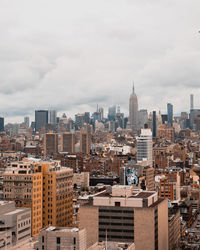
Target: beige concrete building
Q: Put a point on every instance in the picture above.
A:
(62, 238)
(110, 245)
(122, 214)
(15, 224)
(68, 142)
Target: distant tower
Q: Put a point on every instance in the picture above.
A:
(170, 113)
(41, 119)
(26, 120)
(52, 116)
(133, 111)
(191, 101)
(154, 124)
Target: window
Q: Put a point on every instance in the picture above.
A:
(58, 241)
(117, 204)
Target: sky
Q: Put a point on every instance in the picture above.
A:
(72, 55)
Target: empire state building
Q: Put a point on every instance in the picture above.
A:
(133, 111)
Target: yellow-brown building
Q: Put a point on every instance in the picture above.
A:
(24, 187)
(46, 187)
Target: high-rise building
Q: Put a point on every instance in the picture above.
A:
(79, 120)
(84, 142)
(101, 111)
(50, 143)
(142, 118)
(191, 101)
(133, 111)
(1, 124)
(194, 113)
(68, 142)
(119, 120)
(57, 195)
(170, 113)
(26, 120)
(144, 147)
(52, 116)
(41, 119)
(124, 214)
(154, 124)
(111, 113)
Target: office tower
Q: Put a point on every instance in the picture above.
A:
(52, 116)
(144, 146)
(57, 195)
(45, 187)
(24, 186)
(26, 120)
(154, 124)
(164, 118)
(79, 120)
(1, 124)
(101, 111)
(142, 118)
(124, 214)
(84, 142)
(15, 224)
(111, 113)
(87, 117)
(41, 119)
(170, 113)
(50, 144)
(61, 238)
(68, 142)
(194, 113)
(133, 111)
(119, 118)
(191, 101)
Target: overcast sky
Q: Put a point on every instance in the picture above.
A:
(71, 55)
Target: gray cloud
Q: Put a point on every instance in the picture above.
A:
(73, 55)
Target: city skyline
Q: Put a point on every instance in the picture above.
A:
(94, 52)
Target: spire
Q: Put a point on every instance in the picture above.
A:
(133, 88)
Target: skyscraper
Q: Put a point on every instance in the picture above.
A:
(144, 146)
(52, 116)
(26, 120)
(191, 101)
(133, 111)
(111, 113)
(154, 125)
(170, 113)
(41, 119)
(1, 124)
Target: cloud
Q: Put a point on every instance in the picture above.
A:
(74, 55)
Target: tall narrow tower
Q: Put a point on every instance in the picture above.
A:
(191, 101)
(133, 111)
